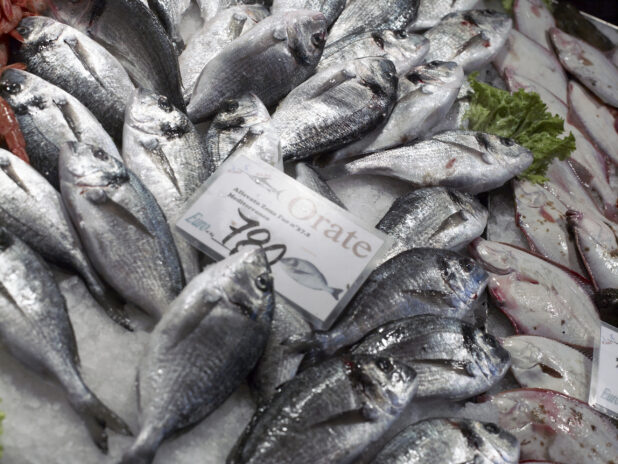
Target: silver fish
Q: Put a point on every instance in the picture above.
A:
(468, 161)
(77, 64)
(32, 209)
(163, 149)
(419, 281)
(335, 107)
(307, 275)
(367, 15)
(424, 97)
(134, 35)
(452, 359)
(35, 328)
(469, 38)
(170, 14)
(591, 67)
(309, 177)
(433, 217)
(331, 9)
(450, 441)
(430, 12)
(122, 227)
(404, 50)
(327, 413)
(214, 36)
(279, 363)
(48, 118)
(271, 59)
(203, 348)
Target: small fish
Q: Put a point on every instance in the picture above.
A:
(533, 19)
(203, 348)
(555, 427)
(309, 177)
(430, 12)
(263, 180)
(327, 413)
(469, 38)
(538, 296)
(451, 441)
(271, 59)
(452, 359)
(331, 9)
(36, 329)
(539, 362)
(306, 274)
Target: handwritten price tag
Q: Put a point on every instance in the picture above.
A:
(604, 383)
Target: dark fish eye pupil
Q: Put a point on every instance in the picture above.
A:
(100, 154)
(262, 282)
(164, 104)
(507, 142)
(378, 40)
(11, 87)
(317, 39)
(492, 428)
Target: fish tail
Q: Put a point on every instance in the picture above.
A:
(143, 449)
(335, 292)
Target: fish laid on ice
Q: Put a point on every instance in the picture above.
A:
(307, 275)
(430, 12)
(203, 348)
(533, 19)
(309, 177)
(331, 9)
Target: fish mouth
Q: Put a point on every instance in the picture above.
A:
(476, 254)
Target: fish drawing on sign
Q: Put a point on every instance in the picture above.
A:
(262, 180)
(306, 274)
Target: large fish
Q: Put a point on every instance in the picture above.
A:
(336, 107)
(163, 149)
(433, 217)
(309, 177)
(533, 19)
(32, 209)
(404, 50)
(271, 59)
(35, 328)
(121, 226)
(589, 65)
(424, 97)
(214, 36)
(80, 66)
(538, 296)
(49, 117)
(203, 348)
(451, 441)
(367, 15)
(539, 362)
(469, 38)
(451, 358)
(430, 12)
(468, 161)
(331, 9)
(419, 281)
(327, 413)
(134, 35)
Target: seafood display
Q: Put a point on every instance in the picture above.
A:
(479, 138)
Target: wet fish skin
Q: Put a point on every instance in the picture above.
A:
(71, 60)
(467, 161)
(170, 14)
(335, 107)
(418, 281)
(203, 348)
(430, 12)
(469, 38)
(452, 360)
(36, 329)
(121, 226)
(366, 15)
(310, 177)
(346, 403)
(30, 208)
(439, 441)
(404, 50)
(214, 35)
(539, 362)
(48, 118)
(134, 35)
(331, 9)
(271, 59)
(433, 217)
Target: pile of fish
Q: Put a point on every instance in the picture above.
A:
(127, 108)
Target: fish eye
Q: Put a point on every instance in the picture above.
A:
(100, 154)
(22, 30)
(491, 341)
(318, 39)
(229, 106)
(507, 142)
(378, 40)
(491, 428)
(263, 282)
(11, 87)
(385, 366)
(165, 104)
(467, 265)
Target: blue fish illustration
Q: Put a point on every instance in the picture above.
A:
(306, 274)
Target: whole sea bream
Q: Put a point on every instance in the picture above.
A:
(35, 328)
(452, 360)
(270, 60)
(331, 9)
(327, 413)
(77, 64)
(49, 117)
(203, 348)
(121, 226)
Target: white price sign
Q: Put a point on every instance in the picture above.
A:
(604, 383)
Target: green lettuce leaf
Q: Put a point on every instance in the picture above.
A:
(523, 117)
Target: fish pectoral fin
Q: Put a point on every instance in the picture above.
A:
(582, 172)
(11, 174)
(460, 367)
(70, 117)
(480, 40)
(454, 220)
(435, 297)
(342, 76)
(478, 153)
(237, 22)
(185, 325)
(160, 160)
(118, 211)
(82, 56)
(347, 418)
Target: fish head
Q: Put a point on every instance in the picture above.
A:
(400, 46)
(493, 256)
(248, 110)
(13, 83)
(247, 283)
(387, 385)
(306, 35)
(492, 359)
(154, 114)
(492, 442)
(464, 276)
(86, 165)
(503, 151)
(493, 22)
(446, 74)
(38, 30)
(378, 74)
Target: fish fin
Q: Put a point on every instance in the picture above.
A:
(348, 418)
(455, 219)
(431, 296)
(236, 24)
(335, 292)
(306, 342)
(99, 197)
(161, 161)
(461, 367)
(82, 57)
(582, 173)
(142, 451)
(69, 116)
(342, 76)
(189, 323)
(7, 167)
(480, 40)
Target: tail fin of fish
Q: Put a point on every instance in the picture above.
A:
(335, 292)
(143, 449)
